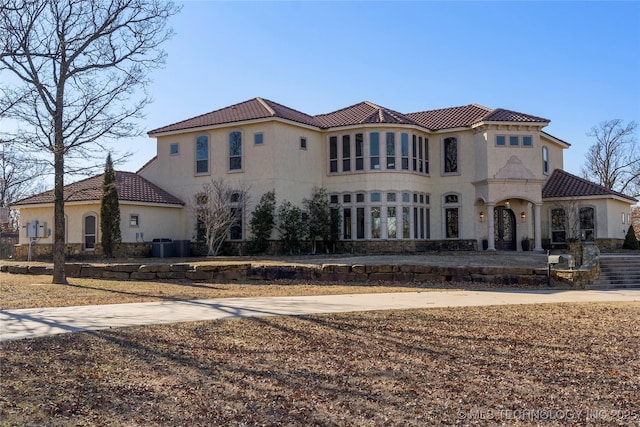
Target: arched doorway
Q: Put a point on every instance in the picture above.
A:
(504, 226)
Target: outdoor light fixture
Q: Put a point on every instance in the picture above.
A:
(523, 216)
(481, 216)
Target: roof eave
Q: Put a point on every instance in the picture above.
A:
(509, 123)
(629, 200)
(231, 124)
(556, 140)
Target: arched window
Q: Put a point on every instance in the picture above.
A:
(90, 225)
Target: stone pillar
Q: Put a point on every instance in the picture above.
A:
(491, 233)
(537, 228)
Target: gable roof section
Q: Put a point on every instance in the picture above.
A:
(453, 117)
(562, 184)
(253, 109)
(502, 115)
(468, 115)
(361, 113)
(131, 188)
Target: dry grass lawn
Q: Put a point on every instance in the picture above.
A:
(576, 364)
(28, 291)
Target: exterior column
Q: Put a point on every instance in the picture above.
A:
(537, 229)
(491, 238)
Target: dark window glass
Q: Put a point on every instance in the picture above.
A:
(346, 224)
(452, 223)
(374, 150)
(235, 151)
(346, 153)
(391, 150)
(360, 222)
(359, 151)
(450, 155)
(202, 154)
(333, 154)
(404, 150)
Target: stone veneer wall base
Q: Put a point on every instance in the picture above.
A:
(399, 274)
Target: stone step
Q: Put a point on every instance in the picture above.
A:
(618, 271)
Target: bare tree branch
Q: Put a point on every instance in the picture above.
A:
(613, 161)
(82, 67)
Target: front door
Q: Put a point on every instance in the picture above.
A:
(505, 230)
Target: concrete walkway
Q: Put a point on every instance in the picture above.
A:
(37, 322)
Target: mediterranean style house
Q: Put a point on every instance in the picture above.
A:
(460, 178)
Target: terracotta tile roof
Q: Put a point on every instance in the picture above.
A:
(448, 118)
(502, 115)
(256, 108)
(562, 184)
(363, 112)
(131, 187)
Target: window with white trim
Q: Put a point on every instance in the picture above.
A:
(587, 224)
(90, 232)
(235, 151)
(450, 155)
(452, 216)
(202, 155)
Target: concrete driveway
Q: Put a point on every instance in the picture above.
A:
(37, 322)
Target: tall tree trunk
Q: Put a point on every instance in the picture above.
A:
(59, 276)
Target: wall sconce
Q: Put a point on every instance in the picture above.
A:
(481, 216)
(523, 216)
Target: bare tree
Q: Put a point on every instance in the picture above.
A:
(614, 161)
(19, 175)
(219, 209)
(82, 67)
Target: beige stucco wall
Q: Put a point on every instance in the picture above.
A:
(156, 221)
(278, 163)
(608, 215)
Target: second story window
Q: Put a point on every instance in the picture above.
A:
(450, 146)
(404, 151)
(346, 153)
(359, 151)
(333, 154)
(374, 150)
(391, 150)
(545, 160)
(235, 151)
(202, 154)
(174, 149)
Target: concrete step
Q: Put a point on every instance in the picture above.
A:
(618, 271)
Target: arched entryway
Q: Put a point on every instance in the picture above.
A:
(504, 227)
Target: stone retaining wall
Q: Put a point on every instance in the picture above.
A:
(327, 272)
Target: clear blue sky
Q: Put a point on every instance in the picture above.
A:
(575, 63)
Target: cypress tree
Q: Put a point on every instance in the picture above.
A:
(631, 241)
(262, 223)
(109, 210)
